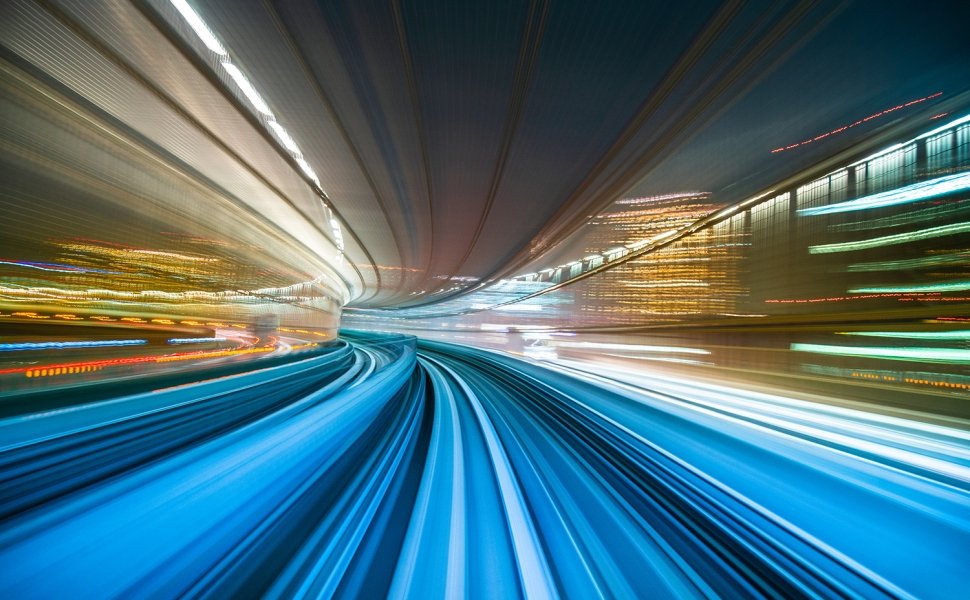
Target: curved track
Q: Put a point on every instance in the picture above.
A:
(390, 467)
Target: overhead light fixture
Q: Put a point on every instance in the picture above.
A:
(199, 27)
(247, 88)
(284, 137)
(308, 170)
(256, 100)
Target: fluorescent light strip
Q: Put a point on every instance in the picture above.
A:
(285, 138)
(916, 192)
(308, 170)
(247, 88)
(200, 28)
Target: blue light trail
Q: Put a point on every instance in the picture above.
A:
(386, 467)
(21, 346)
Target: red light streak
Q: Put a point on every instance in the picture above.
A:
(859, 122)
(900, 296)
(94, 365)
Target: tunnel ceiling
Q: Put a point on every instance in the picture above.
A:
(456, 143)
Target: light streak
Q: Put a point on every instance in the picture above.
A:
(645, 199)
(173, 255)
(942, 128)
(889, 240)
(666, 359)
(96, 365)
(285, 137)
(912, 263)
(198, 25)
(938, 211)
(14, 347)
(308, 170)
(633, 347)
(908, 377)
(936, 355)
(898, 296)
(247, 89)
(914, 335)
(55, 267)
(196, 340)
(916, 192)
(280, 294)
(666, 284)
(955, 286)
(859, 122)
(553, 477)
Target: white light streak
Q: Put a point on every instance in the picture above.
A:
(199, 26)
(634, 347)
(247, 88)
(308, 170)
(285, 138)
(916, 192)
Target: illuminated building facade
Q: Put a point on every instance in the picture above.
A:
(911, 200)
(696, 276)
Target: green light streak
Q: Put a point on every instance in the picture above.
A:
(956, 286)
(932, 213)
(891, 240)
(963, 334)
(953, 258)
(934, 355)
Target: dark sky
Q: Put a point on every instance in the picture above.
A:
(871, 56)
